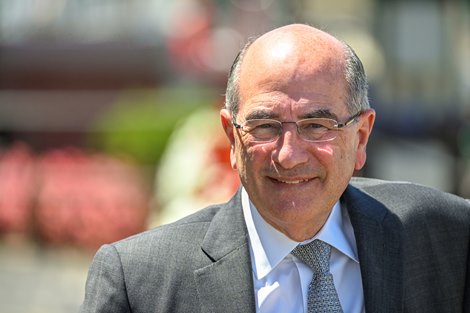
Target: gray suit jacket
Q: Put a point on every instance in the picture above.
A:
(413, 245)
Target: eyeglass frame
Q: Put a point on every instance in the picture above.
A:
(337, 127)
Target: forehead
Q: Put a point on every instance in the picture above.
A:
(298, 96)
(277, 105)
(287, 72)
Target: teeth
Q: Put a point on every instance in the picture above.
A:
(293, 181)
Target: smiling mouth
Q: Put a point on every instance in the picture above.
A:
(291, 182)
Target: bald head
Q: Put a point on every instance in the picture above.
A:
(291, 55)
(297, 51)
(296, 41)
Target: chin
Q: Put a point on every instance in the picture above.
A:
(290, 210)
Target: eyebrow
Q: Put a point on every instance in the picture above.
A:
(321, 113)
(257, 115)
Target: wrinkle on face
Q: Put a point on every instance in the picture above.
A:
(291, 74)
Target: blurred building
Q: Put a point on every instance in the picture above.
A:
(65, 63)
(65, 66)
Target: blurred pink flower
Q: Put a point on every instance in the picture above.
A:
(88, 200)
(16, 189)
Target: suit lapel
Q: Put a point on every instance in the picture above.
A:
(226, 285)
(378, 238)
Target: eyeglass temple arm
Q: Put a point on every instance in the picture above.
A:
(350, 121)
(235, 123)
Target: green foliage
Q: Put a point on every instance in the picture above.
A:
(141, 122)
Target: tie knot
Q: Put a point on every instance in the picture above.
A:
(315, 254)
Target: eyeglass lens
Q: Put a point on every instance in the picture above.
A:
(316, 129)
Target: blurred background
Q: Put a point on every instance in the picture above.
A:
(109, 116)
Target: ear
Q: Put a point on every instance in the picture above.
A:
(366, 122)
(226, 120)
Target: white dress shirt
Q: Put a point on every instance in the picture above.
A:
(281, 280)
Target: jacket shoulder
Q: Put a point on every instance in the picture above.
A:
(405, 198)
(190, 229)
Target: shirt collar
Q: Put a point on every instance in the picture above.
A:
(269, 246)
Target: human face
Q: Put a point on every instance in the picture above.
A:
(294, 183)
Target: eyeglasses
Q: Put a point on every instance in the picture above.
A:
(310, 129)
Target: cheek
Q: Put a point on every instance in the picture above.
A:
(335, 157)
(346, 149)
(253, 156)
(252, 159)
(243, 156)
(326, 150)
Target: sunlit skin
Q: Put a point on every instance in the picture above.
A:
(289, 74)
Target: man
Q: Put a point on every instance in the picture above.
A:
(298, 120)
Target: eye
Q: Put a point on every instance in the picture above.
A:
(267, 125)
(315, 126)
(263, 130)
(259, 125)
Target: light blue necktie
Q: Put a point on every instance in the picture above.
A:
(322, 296)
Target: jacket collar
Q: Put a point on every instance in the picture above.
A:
(226, 285)
(378, 237)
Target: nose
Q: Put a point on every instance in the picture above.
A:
(290, 149)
